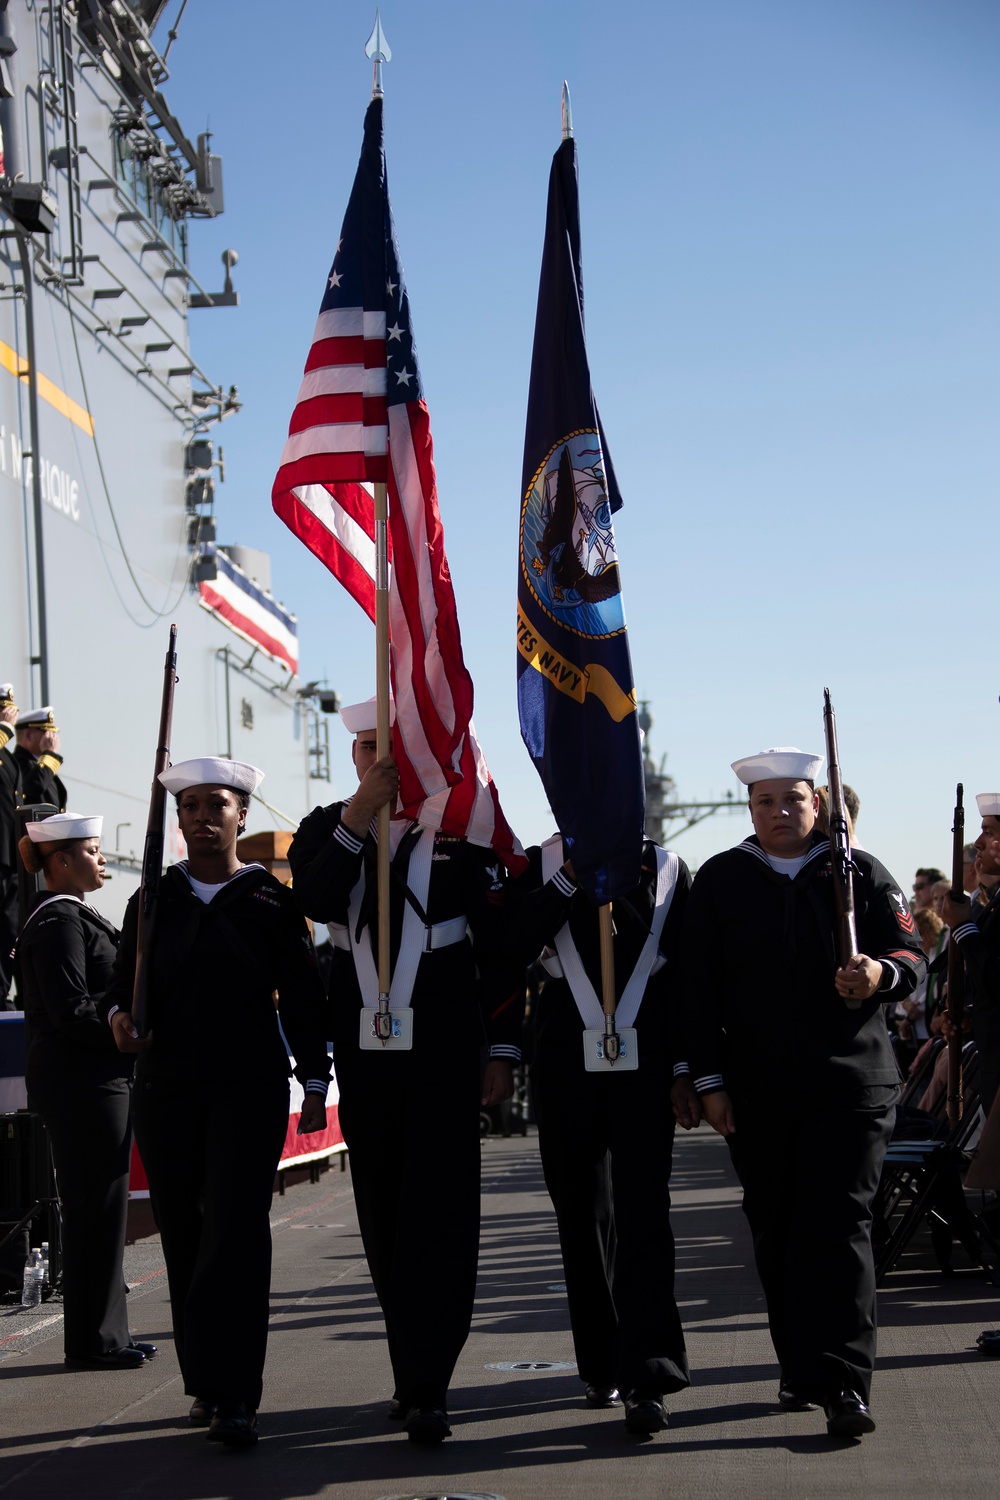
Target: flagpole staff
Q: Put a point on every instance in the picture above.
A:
(378, 50)
(383, 1021)
(612, 1042)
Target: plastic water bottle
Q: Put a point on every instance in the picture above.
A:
(45, 1265)
(31, 1296)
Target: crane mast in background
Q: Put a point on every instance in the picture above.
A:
(666, 817)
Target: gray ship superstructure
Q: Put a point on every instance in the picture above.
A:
(112, 535)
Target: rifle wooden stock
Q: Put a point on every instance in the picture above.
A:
(840, 846)
(152, 854)
(956, 968)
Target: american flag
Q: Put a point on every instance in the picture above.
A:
(361, 418)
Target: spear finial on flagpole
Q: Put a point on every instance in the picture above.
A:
(567, 113)
(377, 48)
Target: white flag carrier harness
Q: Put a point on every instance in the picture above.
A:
(417, 937)
(566, 960)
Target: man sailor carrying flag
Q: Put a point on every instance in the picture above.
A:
(420, 1224)
(357, 474)
(604, 901)
(605, 1137)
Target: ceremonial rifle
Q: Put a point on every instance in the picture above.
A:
(956, 967)
(840, 848)
(152, 854)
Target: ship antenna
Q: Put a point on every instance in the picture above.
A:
(377, 48)
(567, 113)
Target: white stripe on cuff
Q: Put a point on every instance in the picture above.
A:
(887, 963)
(113, 1012)
(709, 1083)
(964, 930)
(348, 839)
(563, 884)
(682, 1070)
(316, 1086)
(507, 1050)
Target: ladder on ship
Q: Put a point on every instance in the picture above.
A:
(74, 261)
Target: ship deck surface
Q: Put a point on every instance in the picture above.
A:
(524, 1436)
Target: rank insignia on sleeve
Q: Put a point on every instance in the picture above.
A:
(901, 909)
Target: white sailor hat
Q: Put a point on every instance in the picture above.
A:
(988, 804)
(360, 718)
(211, 770)
(64, 826)
(783, 763)
(37, 718)
(6, 692)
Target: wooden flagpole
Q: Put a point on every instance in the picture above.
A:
(377, 49)
(382, 747)
(612, 1047)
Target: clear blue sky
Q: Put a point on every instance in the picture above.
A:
(791, 235)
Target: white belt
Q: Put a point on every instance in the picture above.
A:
(441, 935)
(552, 964)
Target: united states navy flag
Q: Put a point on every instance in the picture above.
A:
(574, 676)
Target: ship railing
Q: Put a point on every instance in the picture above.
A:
(196, 409)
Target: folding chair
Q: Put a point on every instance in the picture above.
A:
(922, 1179)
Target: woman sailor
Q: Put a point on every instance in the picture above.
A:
(227, 937)
(79, 1083)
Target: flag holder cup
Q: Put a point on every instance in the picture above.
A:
(385, 1030)
(606, 1050)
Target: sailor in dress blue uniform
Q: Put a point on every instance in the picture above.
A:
(411, 1117)
(605, 1137)
(791, 1059)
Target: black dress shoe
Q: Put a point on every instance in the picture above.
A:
(396, 1411)
(644, 1412)
(234, 1424)
(426, 1424)
(847, 1416)
(113, 1359)
(201, 1412)
(988, 1342)
(789, 1398)
(149, 1350)
(601, 1395)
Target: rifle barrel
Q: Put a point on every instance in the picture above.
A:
(152, 854)
(956, 968)
(840, 844)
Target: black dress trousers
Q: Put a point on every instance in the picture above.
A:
(8, 929)
(211, 1162)
(91, 1138)
(605, 1143)
(411, 1123)
(810, 1163)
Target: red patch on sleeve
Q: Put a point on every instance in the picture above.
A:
(901, 911)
